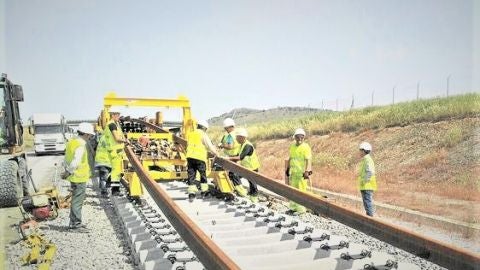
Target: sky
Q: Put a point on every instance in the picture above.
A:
(229, 54)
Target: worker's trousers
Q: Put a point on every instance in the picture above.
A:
(78, 196)
(253, 186)
(103, 175)
(194, 165)
(116, 159)
(297, 181)
(367, 197)
(234, 178)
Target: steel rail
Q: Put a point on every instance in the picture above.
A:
(437, 252)
(209, 254)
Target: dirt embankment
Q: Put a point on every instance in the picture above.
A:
(430, 167)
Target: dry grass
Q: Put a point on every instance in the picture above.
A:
(398, 115)
(424, 152)
(452, 137)
(415, 168)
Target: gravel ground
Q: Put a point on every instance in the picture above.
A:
(355, 236)
(100, 246)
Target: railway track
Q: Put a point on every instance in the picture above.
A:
(173, 233)
(255, 237)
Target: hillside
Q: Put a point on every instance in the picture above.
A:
(245, 116)
(429, 167)
(427, 152)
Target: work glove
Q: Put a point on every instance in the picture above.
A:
(65, 174)
(306, 174)
(220, 145)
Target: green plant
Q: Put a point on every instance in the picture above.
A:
(452, 137)
(401, 114)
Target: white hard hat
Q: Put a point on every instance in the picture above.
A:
(299, 131)
(241, 132)
(365, 146)
(86, 128)
(228, 122)
(203, 123)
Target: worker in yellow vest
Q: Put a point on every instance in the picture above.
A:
(299, 168)
(78, 170)
(103, 164)
(248, 158)
(231, 148)
(115, 142)
(198, 145)
(366, 179)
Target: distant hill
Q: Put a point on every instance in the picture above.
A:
(248, 116)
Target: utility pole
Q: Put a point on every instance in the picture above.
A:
(353, 102)
(393, 95)
(322, 104)
(336, 104)
(418, 90)
(373, 93)
(448, 84)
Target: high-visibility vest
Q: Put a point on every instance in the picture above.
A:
(236, 146)
(101, 155)
(250, 162)
(111, 143)
(298, 157)
(367, 185)
(195, 147)
(82, 173)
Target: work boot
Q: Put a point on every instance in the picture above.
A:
(290, 212)
(116, 191)
(229, 197)
(192, 190)
(77, 226)
(206, 194)
(299, 213)
(204, 190)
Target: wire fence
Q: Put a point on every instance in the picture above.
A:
(397, 94)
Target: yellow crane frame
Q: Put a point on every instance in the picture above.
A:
(111, 99)
(188, 124)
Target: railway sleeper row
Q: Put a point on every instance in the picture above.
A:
(154, 242)
(256, 237)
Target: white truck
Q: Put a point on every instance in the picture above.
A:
(49, 132)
